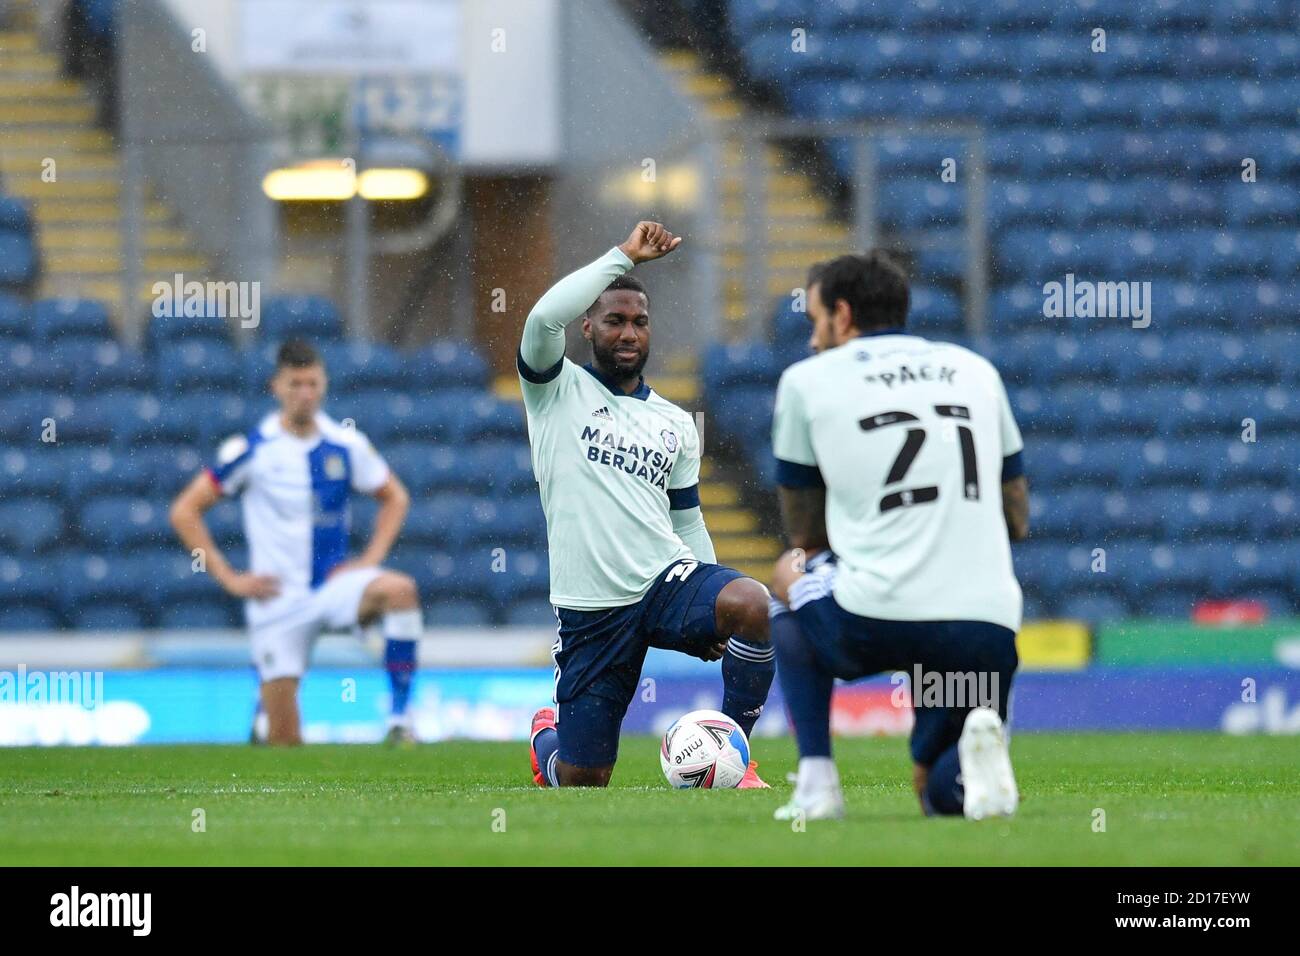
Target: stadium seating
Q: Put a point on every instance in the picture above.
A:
(1117, 166)
(84, 536)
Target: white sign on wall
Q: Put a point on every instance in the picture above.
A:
(350, 37)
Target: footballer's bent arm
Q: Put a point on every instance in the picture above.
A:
(1015, 505)
(803, 514)
(187, 519)
(542, 347)
(394, 503)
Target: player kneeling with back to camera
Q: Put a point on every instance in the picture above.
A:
(632, 565)
(900, 478)
(294, 473)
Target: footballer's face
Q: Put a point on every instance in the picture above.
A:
(618, 327)
(300, 392)
(830, 327)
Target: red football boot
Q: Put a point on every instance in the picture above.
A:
(751, 780)
(543, 719)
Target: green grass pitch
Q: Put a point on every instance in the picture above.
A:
(1167, 799)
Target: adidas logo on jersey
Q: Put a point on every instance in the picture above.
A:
(603, 413)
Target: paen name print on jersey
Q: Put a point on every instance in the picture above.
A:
(906, 374)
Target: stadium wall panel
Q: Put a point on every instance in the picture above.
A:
(192, 705)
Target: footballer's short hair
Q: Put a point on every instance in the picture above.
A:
(873, 284)
(625, 281)
(297, 353)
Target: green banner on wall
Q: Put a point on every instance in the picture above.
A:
(1132, 643)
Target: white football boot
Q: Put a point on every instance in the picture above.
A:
(986, 767)
(817, 794)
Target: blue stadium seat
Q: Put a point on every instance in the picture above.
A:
(1266, 53)
(80, 421)
(98, 365)
(225, 521)
(175, 581)
(22, 366)
(1062, 513)
(108, 615)
(117, 522)
(388, 417)
(492, 418)
(444, 365)
(1019, 15)
(1245, 14)
(213, 615)
(358, 366)
(465, 612)
(438, 521)
(15, 318)
(101, 471)
(29, 617)
(1046, 566)
(19, 265)
(30, 525)
(300, 316)
(728, 366)
(143, 419)
(443, 575)
(1275, 511)
(30, 469)
(15, 215)
(70, 318)
(1234, 462)
(167, 330)
(1192, 514)
(171, 466)
(532, 612)
(30, 581)
(523, 574)
(222, 414)
(89, 578)
(908, 203)
(1094, 608)
(199, 366)
(502, 467)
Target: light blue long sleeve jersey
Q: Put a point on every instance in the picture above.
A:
(618, 473)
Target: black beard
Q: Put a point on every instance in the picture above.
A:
(609, 365)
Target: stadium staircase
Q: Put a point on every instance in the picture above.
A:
(44, 116)
(801, 232)
(799, 224)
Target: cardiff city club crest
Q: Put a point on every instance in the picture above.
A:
(670, 439)
(335, 470)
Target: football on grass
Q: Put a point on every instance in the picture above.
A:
(704, 749)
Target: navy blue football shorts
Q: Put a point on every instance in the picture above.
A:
(598, 654)
(962, 664)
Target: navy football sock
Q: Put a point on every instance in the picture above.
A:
(547, 747)
(805, 686)
(943, 791)
(747, 672)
